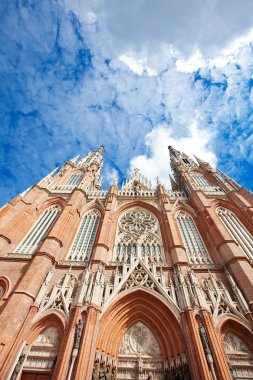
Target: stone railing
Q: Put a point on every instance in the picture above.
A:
(132, 193)
(212, 190)
(176, 194)
(97, 193)
(64, 188)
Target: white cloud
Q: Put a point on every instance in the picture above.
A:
(157, 142)
(138, 66)
(110, 175)
(193, 63)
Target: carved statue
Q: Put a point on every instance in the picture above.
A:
(113, 375)
(95, 370)
(205, 343)
(150, 376)
(78, 334)
(18, 366)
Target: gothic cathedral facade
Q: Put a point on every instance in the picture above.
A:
(130, 283)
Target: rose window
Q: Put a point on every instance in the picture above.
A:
(138, 235)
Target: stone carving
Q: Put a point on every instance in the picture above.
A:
(61, 296)
(44, 350)
(139, 277)
(138, 222)
(139, 354)
(234, 344)
(240, 357)
(138, 235)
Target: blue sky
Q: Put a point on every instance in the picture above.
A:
(135, 76)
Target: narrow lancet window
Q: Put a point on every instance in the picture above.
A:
(85, 237)
(237, 230)
(192, 240)
(74, 179)
(37, 233)
(200, 180)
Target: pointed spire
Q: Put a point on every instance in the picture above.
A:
(174, 185)
(199, 161)
(94, 157)
(173, 151)
(228, 179)
(74, 159)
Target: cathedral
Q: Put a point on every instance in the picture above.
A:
(135, 282)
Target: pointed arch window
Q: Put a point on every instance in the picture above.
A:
(75, 179)
(193, 242)
(237, 230)
(37, 233)
(85, 237)
(199, 179)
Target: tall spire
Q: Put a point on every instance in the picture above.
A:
(94, 157)
(174, 185)
(228, 179)
(74, 159)
(199, 161)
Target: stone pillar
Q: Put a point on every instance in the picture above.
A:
(100, 251)
(63, 363)
(88, 346)
(175, 245)
(196, 356)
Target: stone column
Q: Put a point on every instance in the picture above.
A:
(101, 248)
(64, 360)
(196, 356)
(88, 346)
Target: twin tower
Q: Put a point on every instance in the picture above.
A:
(130, 283)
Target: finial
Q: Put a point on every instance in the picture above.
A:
(74, 159)
(158, 181)
(115, 182)
(199, 161)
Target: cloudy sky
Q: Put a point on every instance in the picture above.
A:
(133, 75)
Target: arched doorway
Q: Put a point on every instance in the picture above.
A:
(240, 357)
(139, 354)
(139, 332)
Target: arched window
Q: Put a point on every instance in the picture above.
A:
(35, 236)
(199, 179)
(74, 179)
(237, 230)
(138, 235)
(193, 243)
(83, 243)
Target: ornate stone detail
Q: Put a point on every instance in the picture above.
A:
(219, 299)
(137, 222)
(60, 297)
(139, 354)
(139, 277)
(233, 343)
(240, 357)
(44, 350)
(138, 235)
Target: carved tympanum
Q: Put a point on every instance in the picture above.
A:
(139, 354)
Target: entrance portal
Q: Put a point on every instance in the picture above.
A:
(139, 354)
